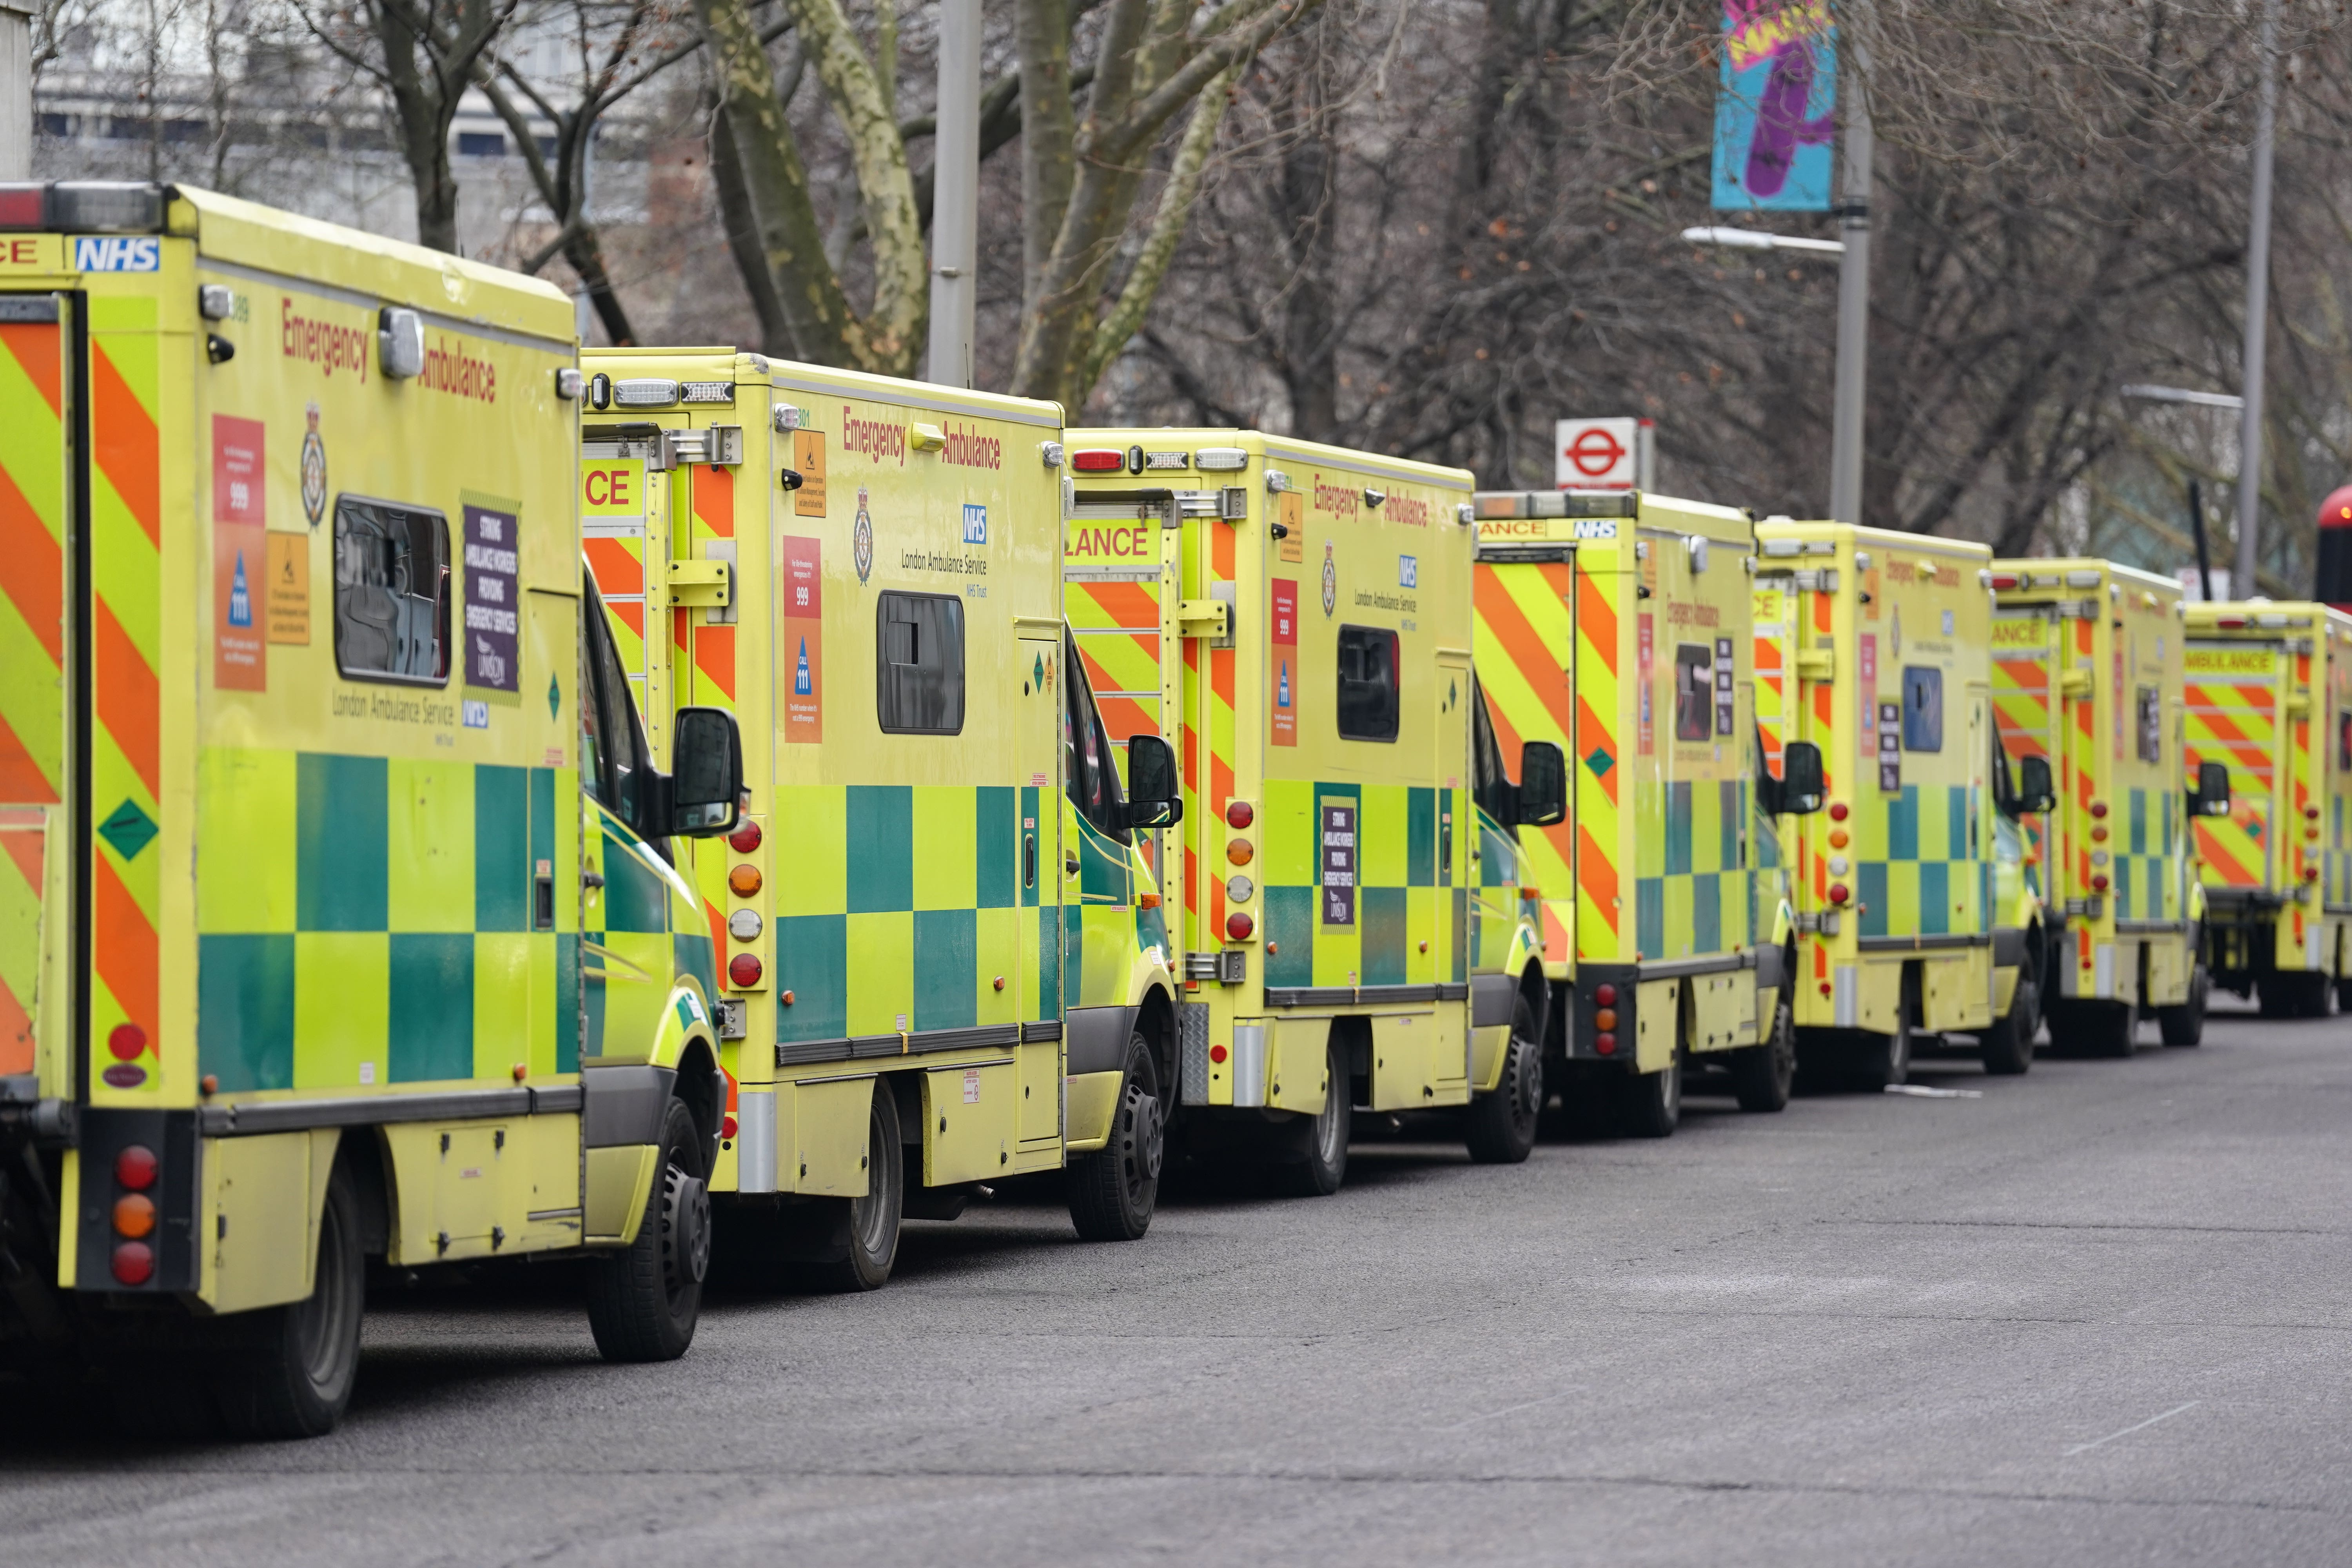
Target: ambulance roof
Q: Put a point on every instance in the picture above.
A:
(245, 235)
(1284, 447)
(1821, 530)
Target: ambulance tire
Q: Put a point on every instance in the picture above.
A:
(2112, 1031)
(2185, 1024)
(2343, 993)
(2007, 1048)
(287, 1371)
(862, 1244)
(1650, 1104)
(1881, 1062)
(1315, 1162)
(1500, 1127)
(1113, 1191)
(1762, 1076)
(643, 1303)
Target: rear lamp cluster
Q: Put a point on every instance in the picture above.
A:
(1604, 1020)
(83, 206)
(135, 1169)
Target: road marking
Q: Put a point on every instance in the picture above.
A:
(1921, 1092)
(2087, 1447)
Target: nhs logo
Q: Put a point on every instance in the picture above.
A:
(975, 524)
(1408, 572)
(123, 253)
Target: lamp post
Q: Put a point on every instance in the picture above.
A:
(2258, 305)
(955, 195)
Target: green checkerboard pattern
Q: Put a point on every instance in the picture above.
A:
(363, 920)
(1691, 893)
(1399, 897)
(1918, 871)
(2146, 879)
(898, 908)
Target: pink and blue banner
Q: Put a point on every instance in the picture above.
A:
(1774, 115)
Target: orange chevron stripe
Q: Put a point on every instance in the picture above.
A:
(1525, 646)
(130, 703)
(1597, 875)
(16, 1034)
(34, 346)
(714, 501)
(32, 568)
(124, 442)
(615, 566)
(122, 945)
(21, 778)
(714, 655)
(1596, 622)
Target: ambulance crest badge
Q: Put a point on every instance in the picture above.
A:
(314, 471)
(861, 538)
(1331, 580)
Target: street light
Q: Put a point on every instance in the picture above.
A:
(1753, 240)
(2146, 393)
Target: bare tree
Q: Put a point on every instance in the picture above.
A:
(426, 53)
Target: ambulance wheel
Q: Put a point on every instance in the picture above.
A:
(2114, 1029)
(2185, 1024)
(1316, 1162)
(1650, 1104)
(643, 1303)
(1761, 1076)
(1881, 1062)
(1113, 1191)
(864, 1245)
(2343, 993)
(1500, 1127)
(287, 1372)
(2007, 1047)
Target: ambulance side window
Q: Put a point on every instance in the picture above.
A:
(919, 663)
(608, 720)
(1490, 783)
(1923, 709)
(392, 592)
(1368, 683)
(1087, 760)
(1693, 691)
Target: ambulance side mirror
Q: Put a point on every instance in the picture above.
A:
(1802, 788)
(2212, 797)
(2035, 792)
(1543, 785)
(1154, 797)
(706, 788)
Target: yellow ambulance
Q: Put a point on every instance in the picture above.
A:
(1872, 649)
(1615, 624)
(2088, 666)
(1296, 621)
(2269, 692)
(339, 916)
(943, 961)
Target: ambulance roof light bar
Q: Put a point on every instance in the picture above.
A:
(83, 206)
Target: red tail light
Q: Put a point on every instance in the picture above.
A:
(135, 1167)
(1605, 1044)
(1239, 814)
(127, 1042)
(744, 969)
(1097, 462)
(1604, 995)
(1239, 926)
(2099, 883)
(744, 839)
(2004, 580)
(1838, 893)
(134, 1263)
(20, 206)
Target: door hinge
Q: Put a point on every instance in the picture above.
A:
(709, 583)
(1204, 618)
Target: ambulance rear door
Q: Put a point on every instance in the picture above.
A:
(41, 812)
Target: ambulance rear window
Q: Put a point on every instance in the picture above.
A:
(392, 592)
(919, 663)
(1368, 683)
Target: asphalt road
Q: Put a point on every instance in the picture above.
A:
(2098, 1315)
